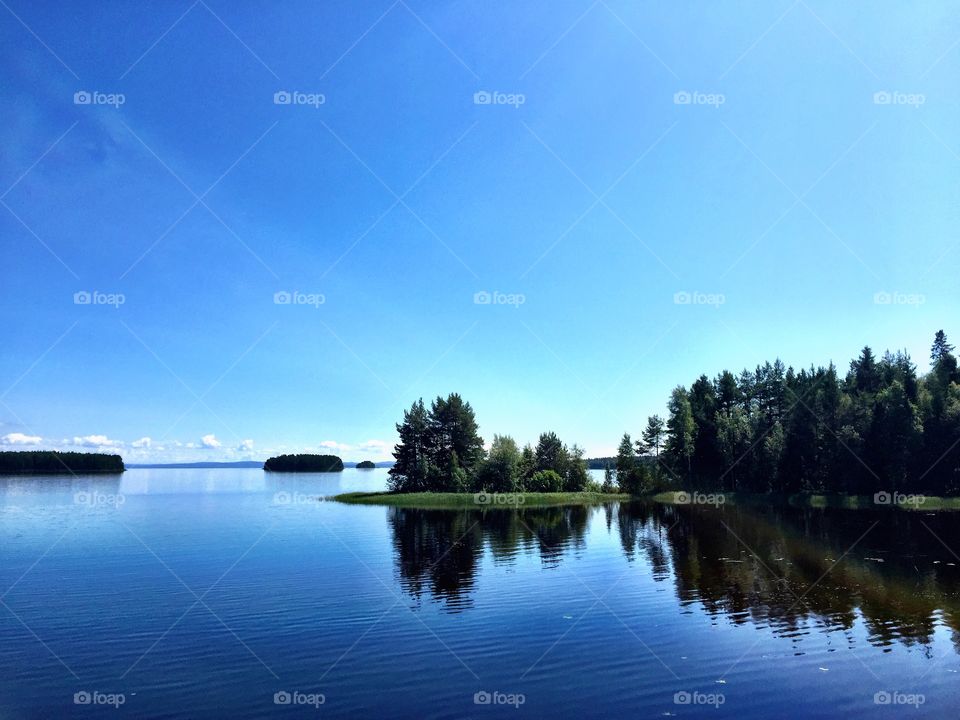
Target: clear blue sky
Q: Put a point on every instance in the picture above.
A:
(785, 188)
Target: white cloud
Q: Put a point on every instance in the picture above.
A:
(143, 442)
(246, 445)
(210, 441)
(20, 439)
(375, 447)
(95, 441)
(334, 445)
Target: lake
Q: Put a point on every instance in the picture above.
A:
(240, 594)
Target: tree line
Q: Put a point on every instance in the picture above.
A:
(440, 450)
(36, 462)
(881, 426)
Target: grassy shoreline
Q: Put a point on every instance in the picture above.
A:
(507, 501)
(495, 501)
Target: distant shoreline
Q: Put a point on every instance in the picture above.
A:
(245, 464)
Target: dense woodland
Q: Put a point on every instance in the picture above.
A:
(303, 463)
(53, 462)
(880, 426)
(440, 450)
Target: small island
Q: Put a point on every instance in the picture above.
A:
(366, 465)
(304, 463)
(52, 462)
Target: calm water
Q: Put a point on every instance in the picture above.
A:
(203, 593)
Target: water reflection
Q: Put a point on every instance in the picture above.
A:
(438, 551)
(791, 570)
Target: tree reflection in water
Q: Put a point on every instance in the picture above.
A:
(792, 570)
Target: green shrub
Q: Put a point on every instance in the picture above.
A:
(545, 481)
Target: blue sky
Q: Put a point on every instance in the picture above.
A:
(653, 192)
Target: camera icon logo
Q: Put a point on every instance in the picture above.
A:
(82, 97)
(82, 698)
(882, 698)
(282, 298)
(681, 298)
(682, 498)
(83, 297)
(481, 498)
(282, 97)
(282, 698)
(482, 698)
(482, 97)
(482, 298)
(682, 698)
(882, 498)
(882, 98)
(682, 97)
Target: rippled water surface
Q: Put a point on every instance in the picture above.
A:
(204, 593)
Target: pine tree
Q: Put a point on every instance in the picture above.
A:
(608, 486)
(940, 347)
(552, 454)
(680, 429)
(653, 436)
(577, 475)
(630, 476)
(413, 467)
(454, 429)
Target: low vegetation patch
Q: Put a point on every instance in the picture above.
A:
(476, 501)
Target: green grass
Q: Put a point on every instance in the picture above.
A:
(432, 500)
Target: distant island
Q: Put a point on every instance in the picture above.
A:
(198, 465)
(303, 463)
(366, 465)
(51, 462)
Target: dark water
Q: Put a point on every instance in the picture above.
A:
(196, 593)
